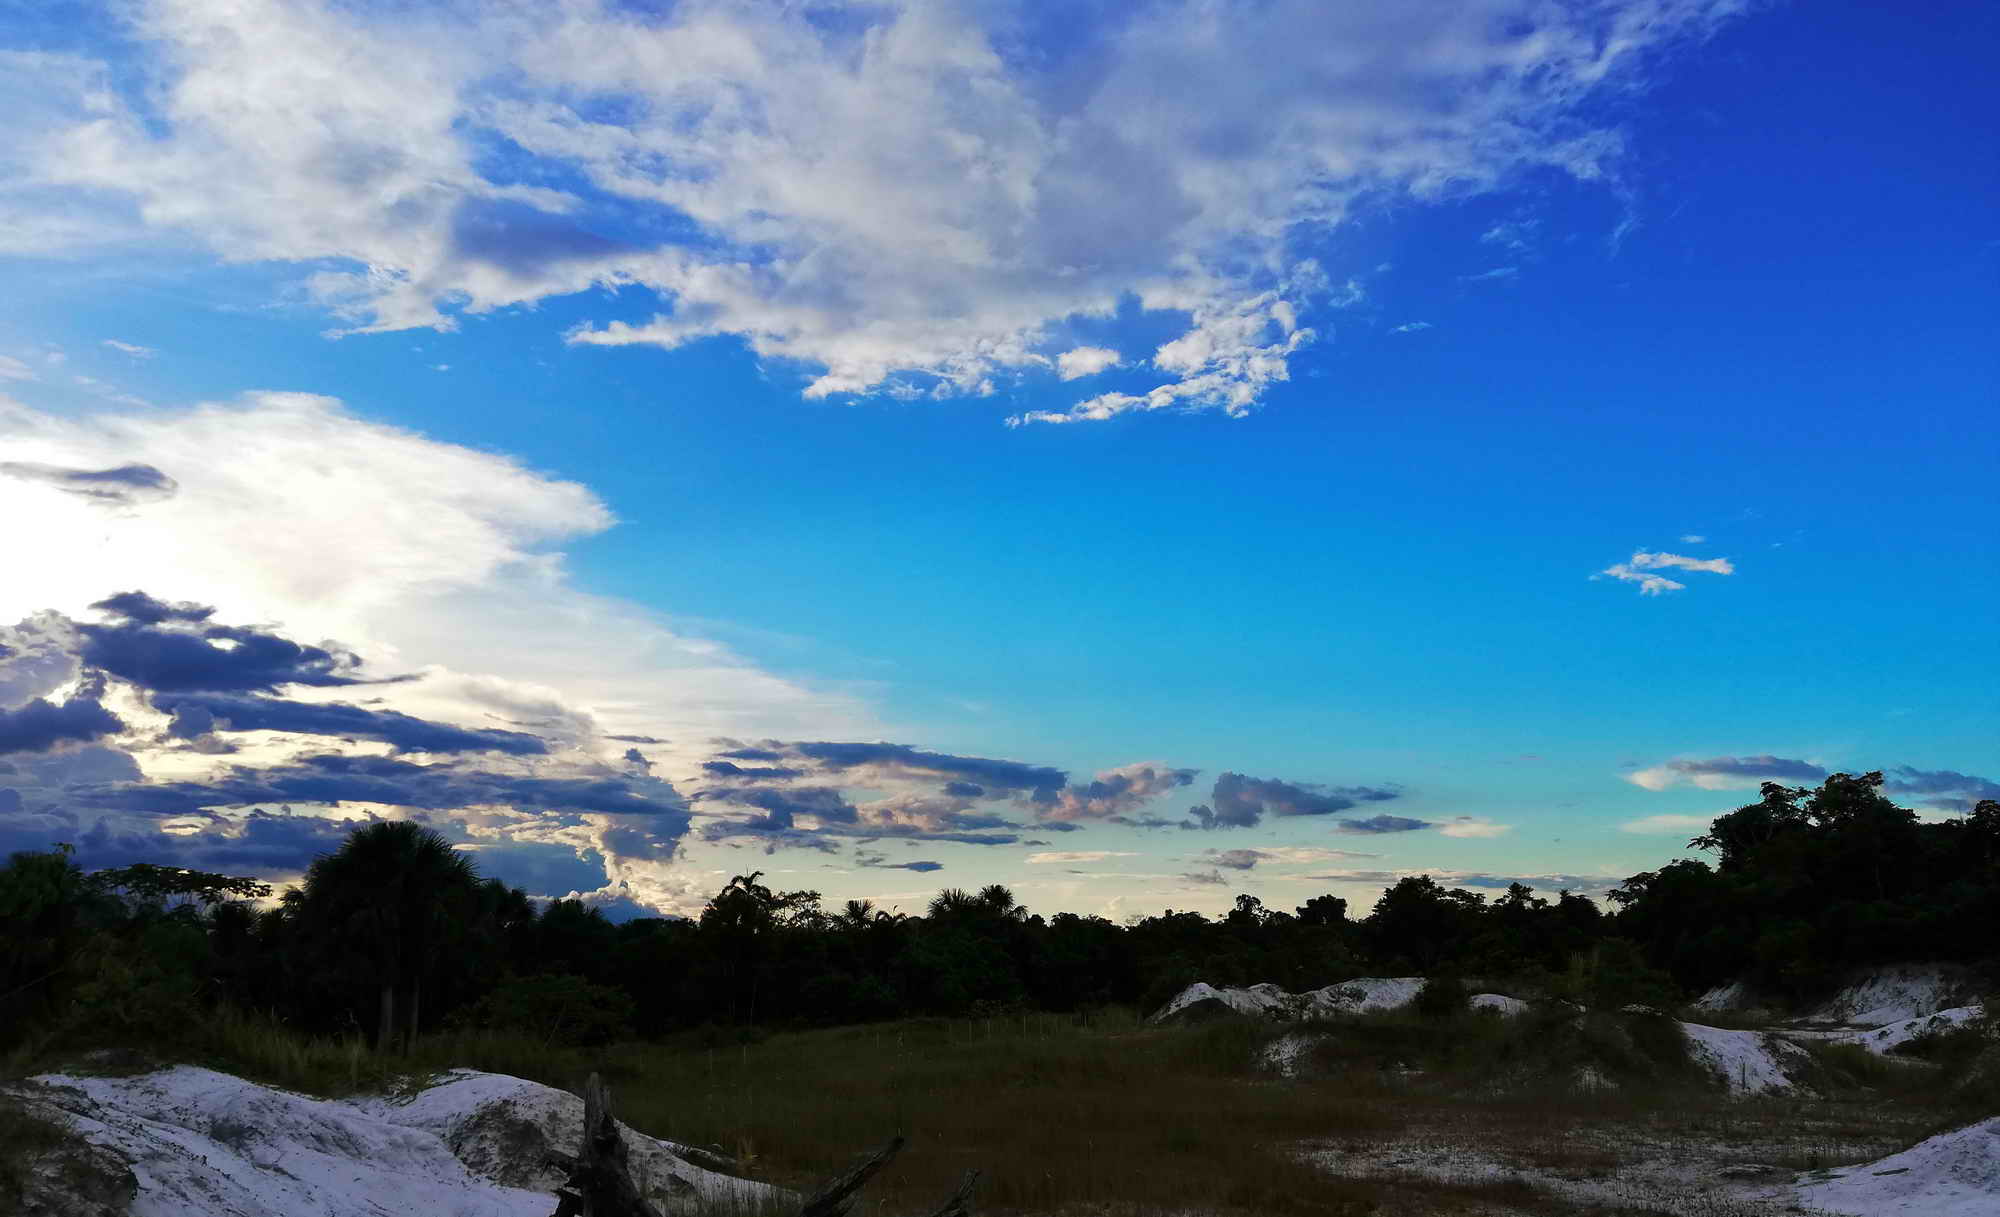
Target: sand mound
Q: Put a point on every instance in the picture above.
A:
(1749, 1062)
(198, 1141)
(1954, 1174)
(1892, 994)
(1364, 995)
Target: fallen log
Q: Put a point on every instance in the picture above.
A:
(836, 1199)
(599, 1182)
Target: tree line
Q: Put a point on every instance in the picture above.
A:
(395, 935)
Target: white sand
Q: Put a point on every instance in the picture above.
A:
(1954, 1174)
(202, 1142)
(1749, 1062)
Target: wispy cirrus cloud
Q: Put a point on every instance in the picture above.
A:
(927, 198)
(1670, 824)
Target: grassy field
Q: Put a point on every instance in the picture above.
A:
(1103, 1114)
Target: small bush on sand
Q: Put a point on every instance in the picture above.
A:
(1442, 997)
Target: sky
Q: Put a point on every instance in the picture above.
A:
(1136, 453)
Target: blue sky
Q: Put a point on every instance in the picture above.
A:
(1152, 395)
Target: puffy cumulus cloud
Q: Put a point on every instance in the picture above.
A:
(1725, 772)
(1670, 824)
(1078, 362)
(1113, 794)
(1946, 789)
(42, 724)
(1640, 567)
(422, 557)
(1237, 801)
(887, 194)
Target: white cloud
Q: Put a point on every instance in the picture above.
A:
(14, 369)
(1055, 856)
(130, 348)
(1488, 276)
(1692, 538)
(1645, 561)
(1637, 569)
(424, 557)
(1413, 327)
(878, 193)
(1649, 585)
(1085, 361)
(1478, 827)
(1670, 824)
(415, 552)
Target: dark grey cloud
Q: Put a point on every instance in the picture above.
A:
(730, 769)
(1238, 801)
(823, 802)
(1379, 824)
(441, 786)
(1764, 767)
(1148, 822)
(635, 739)
(752, 754)
(1234, 859)
(1214, 877)
(139, 607)
(1943, 788)
(921, 866)
(1040, 782)
(260, 843)
(165, 650)
(42, 724)
(539, 869)
(196, 714)
(122, 486)
(965, 790)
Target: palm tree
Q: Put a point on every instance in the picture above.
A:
(858, 914)
(999, 899)
(387, 904)
(952, 902)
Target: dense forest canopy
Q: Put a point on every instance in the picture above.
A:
(396, 933)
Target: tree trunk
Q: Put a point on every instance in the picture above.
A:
(600, 1183)
(416, 1008)
(385, 1037)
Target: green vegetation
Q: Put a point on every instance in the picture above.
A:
(395, 937)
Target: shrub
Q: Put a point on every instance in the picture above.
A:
(554, 1010)
(1442, 997)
